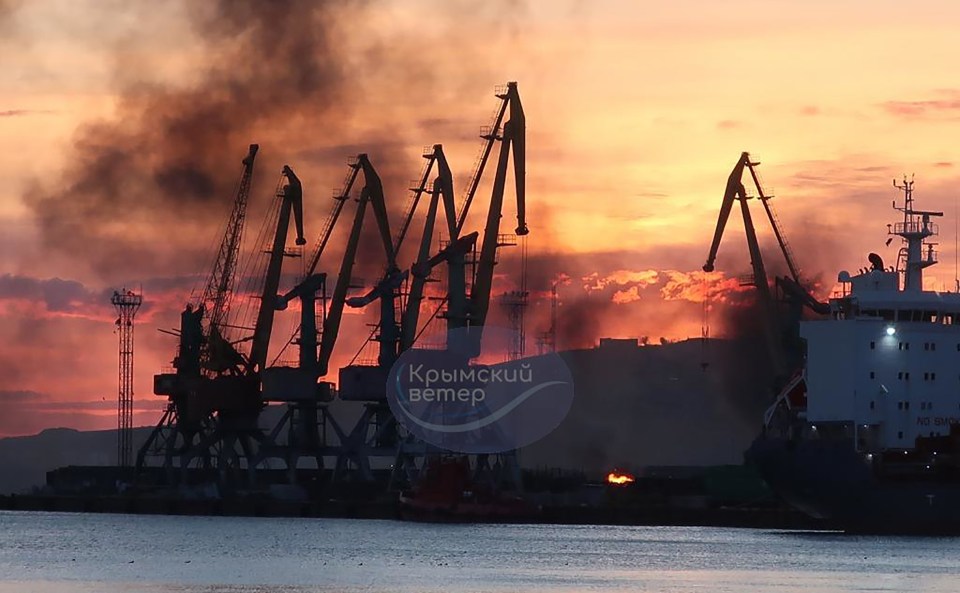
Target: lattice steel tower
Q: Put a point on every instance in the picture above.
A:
(127, 303)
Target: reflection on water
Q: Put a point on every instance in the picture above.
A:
(61, 552)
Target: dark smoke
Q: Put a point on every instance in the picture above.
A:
(580, 320)
(169, 158)
(310, 81)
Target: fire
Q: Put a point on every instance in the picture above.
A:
(619, 478)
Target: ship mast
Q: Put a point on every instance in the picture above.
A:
(916, 227)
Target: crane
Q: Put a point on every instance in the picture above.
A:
(210, 415)
(736, 191)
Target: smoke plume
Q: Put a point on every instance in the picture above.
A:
(312, 82)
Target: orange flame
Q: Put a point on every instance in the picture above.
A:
(619, 478)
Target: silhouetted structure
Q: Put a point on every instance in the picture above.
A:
(127, 303)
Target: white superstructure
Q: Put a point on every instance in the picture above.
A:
(886, 363)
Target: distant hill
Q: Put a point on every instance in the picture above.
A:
(634, 406)
(25, 461)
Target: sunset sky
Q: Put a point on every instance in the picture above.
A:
(124, 124)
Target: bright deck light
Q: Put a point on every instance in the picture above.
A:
(891, 330)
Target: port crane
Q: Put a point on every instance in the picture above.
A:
(512, 136)
(509, 128)
(791, 285)
(466, 308)
(215, 399)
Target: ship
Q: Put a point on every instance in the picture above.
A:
(865, 433)
(449, 491)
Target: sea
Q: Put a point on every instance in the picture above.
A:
(73, 552)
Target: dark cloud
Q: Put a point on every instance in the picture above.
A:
(57, 295)
(19, 396)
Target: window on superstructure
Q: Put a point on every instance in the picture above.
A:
(899, 405)
(872, 404)
(900, 375)
(926, 376)
(926, 345)
(873, 345)
(933, 376)
(888, 314)
(906, 376)
(900, 346)
(906, 405)
(900, 434)
(933, 345)
(872, 374)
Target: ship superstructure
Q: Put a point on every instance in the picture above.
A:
(866, 432)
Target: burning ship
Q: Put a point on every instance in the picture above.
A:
(866, 432)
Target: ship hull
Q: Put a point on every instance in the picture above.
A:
(829, 479)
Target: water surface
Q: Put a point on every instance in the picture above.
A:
(61, 552)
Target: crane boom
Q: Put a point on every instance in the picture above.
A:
(216, 295)
(291, 200)
(331, 222)
(418, 192)
(734, 185)
(411, 315)
(489, 139)
(375, 189)
(331, 325)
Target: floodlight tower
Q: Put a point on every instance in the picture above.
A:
(127, 303)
